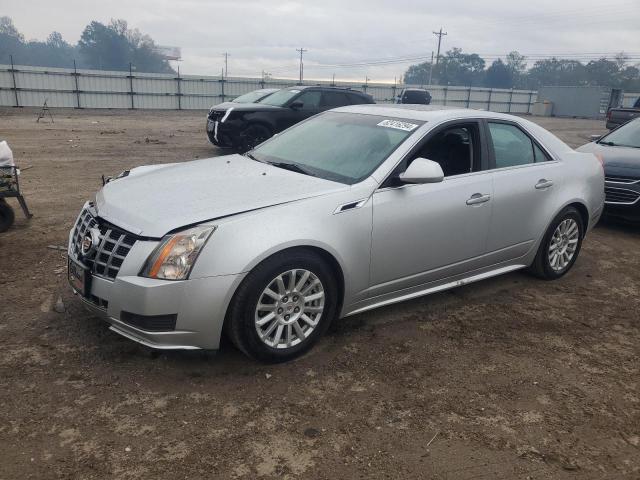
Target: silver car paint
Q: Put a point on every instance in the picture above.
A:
(397, 244)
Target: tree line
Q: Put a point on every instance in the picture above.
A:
(468, 69)
(103, 47)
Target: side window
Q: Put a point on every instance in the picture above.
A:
(333, 100)
(455, 148)
(355, 99)
(539, 154)
(310, 100)
(511, 146)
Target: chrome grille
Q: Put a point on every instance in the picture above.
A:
(113, 248)
(620, 196)
(623, 180)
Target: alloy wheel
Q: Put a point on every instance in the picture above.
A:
(289, 308)
(563, 245)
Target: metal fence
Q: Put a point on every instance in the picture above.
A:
(72, 88)
(629, 99)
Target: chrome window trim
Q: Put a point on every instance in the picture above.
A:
(553, 158)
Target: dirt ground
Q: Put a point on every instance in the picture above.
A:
(511, 378)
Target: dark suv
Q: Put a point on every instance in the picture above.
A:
(245, 125)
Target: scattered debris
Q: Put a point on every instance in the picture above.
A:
(312, 432)
(59, 306)
(433, 438)
(268, 376)
(127, 449)
(57, 247)
(153, 141)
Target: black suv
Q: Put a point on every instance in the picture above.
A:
(414, 96)
(245, 125)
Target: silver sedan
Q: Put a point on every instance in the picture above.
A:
(350, 210)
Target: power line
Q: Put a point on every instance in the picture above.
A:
(487, 56)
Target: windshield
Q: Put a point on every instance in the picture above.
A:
(251, 97)
(281, 97)
(628, 135)
(343, 147)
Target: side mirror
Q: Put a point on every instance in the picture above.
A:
(595, 138)
(297, 105)
(422, 170)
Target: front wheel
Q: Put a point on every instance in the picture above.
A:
(560, 246)
(7, 216)
(283, 306)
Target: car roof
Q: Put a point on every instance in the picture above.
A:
(425, 113)
(325, 87)
(439, 113)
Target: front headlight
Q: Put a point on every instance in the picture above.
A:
(174, 257)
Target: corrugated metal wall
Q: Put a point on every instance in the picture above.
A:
(108, 89)
(629, 99)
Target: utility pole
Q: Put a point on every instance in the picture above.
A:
(226, 56)
(439, 34)
(301, 50)
(431, 69)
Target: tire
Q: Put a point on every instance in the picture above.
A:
(550, 265)
(7, 217)
(245, 318)
(252, 136)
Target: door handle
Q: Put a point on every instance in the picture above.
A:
(478, 198)
(544, 183)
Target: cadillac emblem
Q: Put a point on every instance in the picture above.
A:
(90, 242)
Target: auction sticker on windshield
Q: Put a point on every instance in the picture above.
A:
(406, 126)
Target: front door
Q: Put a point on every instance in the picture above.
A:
(424, 233)
(310, 106)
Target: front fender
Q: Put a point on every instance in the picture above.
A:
(243, 241)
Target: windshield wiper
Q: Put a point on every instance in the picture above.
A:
(250, 155)
(609, 144)
(292, 167)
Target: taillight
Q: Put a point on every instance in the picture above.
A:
(609, 115)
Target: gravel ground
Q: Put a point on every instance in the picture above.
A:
(510, 378)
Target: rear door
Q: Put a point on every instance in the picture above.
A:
(526, 180)
(331, 99)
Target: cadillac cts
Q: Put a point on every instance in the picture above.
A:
(352, 209)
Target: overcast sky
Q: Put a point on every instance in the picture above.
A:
(264, 34)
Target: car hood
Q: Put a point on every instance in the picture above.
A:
(154, 200)
(246, 107)
(618, 159)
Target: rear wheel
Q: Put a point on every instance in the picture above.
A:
(283, 306)
(560, 246)
(252, 136)
(7, 216)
